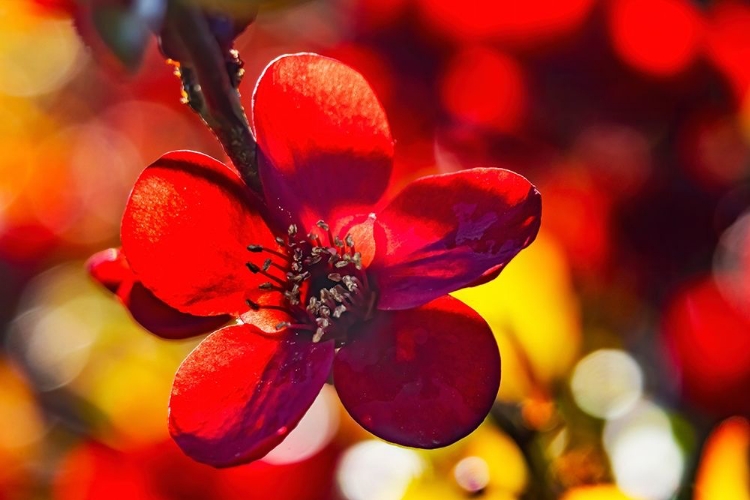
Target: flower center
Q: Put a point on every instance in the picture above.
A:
(323, 284)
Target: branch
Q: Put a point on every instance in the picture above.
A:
(210, 79)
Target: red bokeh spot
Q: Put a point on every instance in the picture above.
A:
(484, 87)
(659, 37)
(160, 471)
(714, 150)
(728, 40)
(577, 212)
(63, 7)
(522, 24)
(709, 340)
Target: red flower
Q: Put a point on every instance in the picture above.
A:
(415, 366)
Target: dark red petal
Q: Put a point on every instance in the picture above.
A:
(240, 392)
(424, 377)
(110, 268)
(444, 232)
(185, 231)
(323, 136)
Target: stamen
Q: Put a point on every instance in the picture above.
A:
(280, 241)
(266, 265)
(349, 240)
(252, 305)
(252, 267)
(335, 277)
(322, 225)
(282, 325)
(337, 242)
(341, 309)
(341, 263)
(292, 231)
(260, 248)
(267, 286)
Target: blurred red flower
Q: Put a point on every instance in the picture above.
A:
(415, 366)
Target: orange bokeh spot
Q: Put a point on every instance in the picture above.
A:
(724, 472)
(522, 24)
(484, 87)
(658, 37)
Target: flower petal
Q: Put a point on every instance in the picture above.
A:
(323, 136)
(185, 231)
(444, 232)
(240, 392)
(110, 268)
(424, 377)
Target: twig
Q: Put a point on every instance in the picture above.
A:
(210, 80)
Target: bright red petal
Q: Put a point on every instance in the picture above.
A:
(323, 136)
(185, 232)
(110, 268)
(240, 392)
(424, 377)
(444, 232)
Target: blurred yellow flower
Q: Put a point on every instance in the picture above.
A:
(534, 314)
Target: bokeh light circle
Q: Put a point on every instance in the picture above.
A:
(374, 470)
(607, 383)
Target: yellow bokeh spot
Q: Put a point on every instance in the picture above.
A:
(724, 471)
(598, 492)
(37, 55)
(534, 314)
(504, 472)
(126, 374)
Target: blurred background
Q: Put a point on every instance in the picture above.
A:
(624, 329)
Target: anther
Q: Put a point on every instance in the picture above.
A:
(252, 267)
(341, 263)
(280, 241)
(335, 277)
(340, 309)
(322, 225)
(337, 242)
(318, 335)
(292, 231)
(349, 240)
(324, 312)
(282, 325)
(357, 259)
(255, 248)
(252, 305)
(266, 286)
(266, 265)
